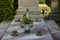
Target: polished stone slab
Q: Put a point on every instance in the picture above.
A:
(30, 36)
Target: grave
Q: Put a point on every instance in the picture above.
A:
(32, 6)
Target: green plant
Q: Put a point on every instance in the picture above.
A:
(48, 2)
(7, 11)
(26, 23)
(41, 1)
(47, 11)
(26, 20)
(59, 6)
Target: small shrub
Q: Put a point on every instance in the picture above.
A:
(26, 20)
(7, 11)
(41, 1)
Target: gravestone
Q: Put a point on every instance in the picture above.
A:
(32, 5)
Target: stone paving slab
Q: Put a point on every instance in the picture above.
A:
(23, 36)
(54, 29)
(3, 27)
(52, 24)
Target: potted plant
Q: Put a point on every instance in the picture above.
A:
(26, 21)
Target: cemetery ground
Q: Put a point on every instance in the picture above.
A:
(3, 28)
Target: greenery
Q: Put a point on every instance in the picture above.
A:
(59, 6)
(47, 11)
(26, 20)
(58, 18)
(48, 2)
(7, 11)
(15, 4)
(41, 1)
